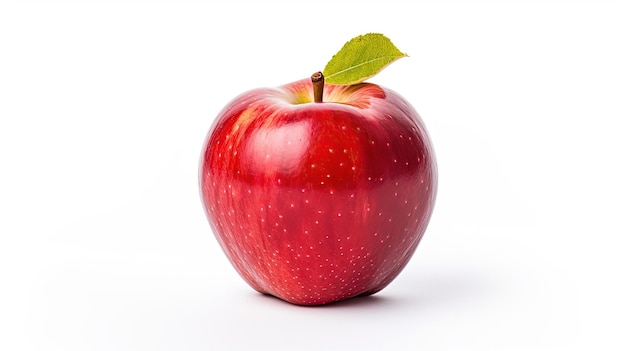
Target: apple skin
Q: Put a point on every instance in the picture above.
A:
(318, 202)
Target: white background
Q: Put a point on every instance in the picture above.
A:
(104, 108)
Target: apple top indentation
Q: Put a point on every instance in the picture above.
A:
(357, 95)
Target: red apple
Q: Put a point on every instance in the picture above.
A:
(318, 202)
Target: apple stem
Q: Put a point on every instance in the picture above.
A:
(318, 86)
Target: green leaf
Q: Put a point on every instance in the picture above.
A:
(361, 58)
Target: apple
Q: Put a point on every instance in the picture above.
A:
(318, 193)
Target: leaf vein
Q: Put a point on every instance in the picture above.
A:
(364, 63)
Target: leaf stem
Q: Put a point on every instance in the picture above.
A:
(318, 86)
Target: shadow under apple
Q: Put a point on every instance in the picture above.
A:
(445, 286)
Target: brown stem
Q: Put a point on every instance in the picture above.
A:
(318, 86)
